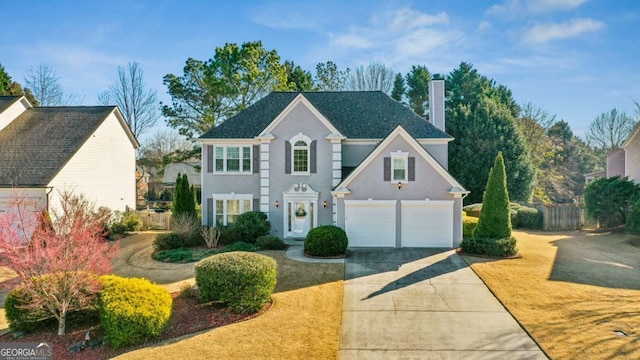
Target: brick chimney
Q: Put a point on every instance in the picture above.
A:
(436, 101)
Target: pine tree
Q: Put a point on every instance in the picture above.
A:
(495, 217)
(398, 88)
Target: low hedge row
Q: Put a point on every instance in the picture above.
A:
(492, 247)
(522, 217)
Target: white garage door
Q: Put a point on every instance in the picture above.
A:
(427, 224)
(371, 222)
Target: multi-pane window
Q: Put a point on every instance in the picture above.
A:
(233, 159)
(300, 157)
(227, 210)
(399, 166)
(399, 169)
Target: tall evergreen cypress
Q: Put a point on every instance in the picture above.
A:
(178, 207)
(495, 217)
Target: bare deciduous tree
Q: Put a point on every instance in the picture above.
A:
(139, 105)
(45, 85)
(375, 76)
(609, 130)
(161, 149)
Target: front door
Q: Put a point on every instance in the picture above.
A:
(300, 218)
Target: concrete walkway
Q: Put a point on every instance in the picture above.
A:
(424, 304)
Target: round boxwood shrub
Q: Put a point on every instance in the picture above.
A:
(242, 280)
(326, 241)
(267, 242)
(251, 225)
(132, 310)
(24, 318)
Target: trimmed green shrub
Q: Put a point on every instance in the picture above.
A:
(244, 281)
(608, 200)
(229, 235)
(325, 241)
(21, 317)
(492, 247)
(133, 310)
(169, 241)
(251, 225)
(526, 218)
(468, 225)
(495, 217)
(267, 242)
(241, 246)
(473, 210)
(132, 221)
(633, 221)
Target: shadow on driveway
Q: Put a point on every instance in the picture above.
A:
(600, 259)
(399, 263)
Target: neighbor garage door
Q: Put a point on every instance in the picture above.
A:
(427, 224)
(371, 222)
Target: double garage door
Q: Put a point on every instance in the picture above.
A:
(374, 223)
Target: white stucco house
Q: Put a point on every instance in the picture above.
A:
(45, 151)
(355, 159)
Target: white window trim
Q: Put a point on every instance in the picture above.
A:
(224, 159)
(400, 155)
(225, 198)
(293, 141)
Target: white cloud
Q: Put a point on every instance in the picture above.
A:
(301, 16)
(516, 8)
(484, 25)
(397, 37)
(543, 33)
(538, 6)
(350, 41)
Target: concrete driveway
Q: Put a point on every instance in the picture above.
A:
(424, 304)
(134, 260)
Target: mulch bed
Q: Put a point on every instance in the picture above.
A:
(188, 317)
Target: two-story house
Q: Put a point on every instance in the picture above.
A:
(358, 160)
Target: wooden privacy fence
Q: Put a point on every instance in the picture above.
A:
(152, 220)
(562, 216)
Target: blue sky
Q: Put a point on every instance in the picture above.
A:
(575, 58)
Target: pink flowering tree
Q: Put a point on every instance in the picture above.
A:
(59, 262)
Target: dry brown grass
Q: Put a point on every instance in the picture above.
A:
(571, 291)
(303, 323)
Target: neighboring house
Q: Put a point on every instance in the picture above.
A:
(191, 168)
(626, 160)
(594, 175)
(358, 160)
(45, 151)
(143, 178)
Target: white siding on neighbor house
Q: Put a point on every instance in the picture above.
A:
(12, 112)
(37, 194)
(632, 159)
(103, 169)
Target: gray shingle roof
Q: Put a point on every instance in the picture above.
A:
(6, 101)
(356, 114)
(36, 145)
